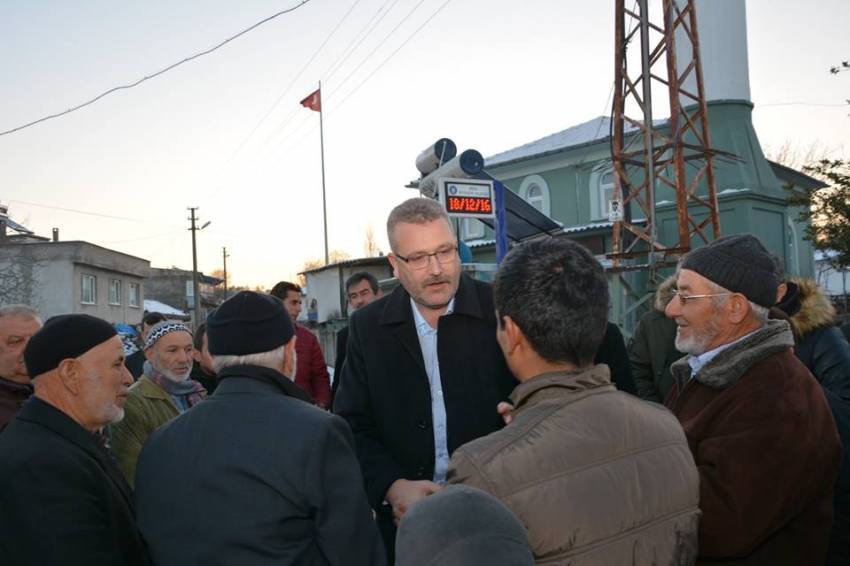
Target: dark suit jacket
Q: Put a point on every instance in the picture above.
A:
(255, 475)
(63, 500)
(341, 347)
(384, 393)
(613, 353)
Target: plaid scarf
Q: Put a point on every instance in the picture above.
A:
(186, 393)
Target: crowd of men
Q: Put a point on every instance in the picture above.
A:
(467, 423)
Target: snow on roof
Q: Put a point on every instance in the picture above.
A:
(589, 132)
(156, 306)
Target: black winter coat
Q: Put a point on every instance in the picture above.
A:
(255, 475)
(64, 500)
(822, 348)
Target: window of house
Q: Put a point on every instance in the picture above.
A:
(134, 293)
(602, 184)
(114, 291)
(88, 290)
(472, 228)
(535, 191)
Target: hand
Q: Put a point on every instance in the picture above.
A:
(403, 494)
(504, 409)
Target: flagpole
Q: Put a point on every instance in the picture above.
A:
(324, 199)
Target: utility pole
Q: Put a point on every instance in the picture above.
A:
(196, 295)
(224, 256)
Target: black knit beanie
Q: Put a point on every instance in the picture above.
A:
(248, 323)
(62, 337)
(738, 263)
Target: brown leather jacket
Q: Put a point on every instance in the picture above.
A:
(596, 475)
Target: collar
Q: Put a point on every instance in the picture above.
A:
(244, 378)
(559, 384)
(697, 362)
(14, 386)
(149, 389)
(396, 306)
(422, 326)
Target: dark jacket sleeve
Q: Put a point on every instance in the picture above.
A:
(613, 352)
(345, 530)
(341, 345)
(353, 403)
(319, 377)
(74, 523)
(640, 360)
(827, 355)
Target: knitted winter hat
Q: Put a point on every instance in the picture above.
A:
(63, 337)
(160, 329)
(739, 263)
(248, 323)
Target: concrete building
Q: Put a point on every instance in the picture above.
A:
(72, 277)
(173, 287)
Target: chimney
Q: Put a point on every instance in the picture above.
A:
(56, 234)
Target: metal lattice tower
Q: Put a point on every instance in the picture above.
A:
(649, 157)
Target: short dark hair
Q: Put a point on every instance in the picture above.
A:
(282, 288)
(153, 318)
(556, 292)
(361, 276)
(198, 337)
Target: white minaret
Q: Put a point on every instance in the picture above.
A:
(722, 29)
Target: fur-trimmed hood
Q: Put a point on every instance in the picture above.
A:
(816, 310)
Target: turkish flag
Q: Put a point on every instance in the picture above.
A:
(313, 101)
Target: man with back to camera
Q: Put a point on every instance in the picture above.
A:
(361, 289)
(596, 475)
(312, 373)
(256, 474)
(423, 373)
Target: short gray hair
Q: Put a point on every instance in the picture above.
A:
(272, 359)
(19, 310)
(760, 313)
(417, 210)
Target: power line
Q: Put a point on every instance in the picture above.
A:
(89, 213)
(382, 42)
(295, 79)
(803, 104)
(158, 73)
(391, 55)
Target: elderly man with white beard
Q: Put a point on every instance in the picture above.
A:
(757, 422)
(64, 501)
(164, 391)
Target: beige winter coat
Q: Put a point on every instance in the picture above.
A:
(596, 475)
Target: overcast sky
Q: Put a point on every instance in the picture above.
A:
(490, 74)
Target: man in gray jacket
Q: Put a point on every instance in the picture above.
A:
(597, 476)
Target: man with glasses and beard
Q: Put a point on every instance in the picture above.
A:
(757, 422)
(423, 372)
(164, 391)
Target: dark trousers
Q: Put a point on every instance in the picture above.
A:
(386, 526)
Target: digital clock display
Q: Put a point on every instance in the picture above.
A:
(468, 198)
(469, 205)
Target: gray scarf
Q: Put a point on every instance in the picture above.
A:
(186, 393)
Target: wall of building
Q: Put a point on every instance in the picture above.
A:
(47, 276)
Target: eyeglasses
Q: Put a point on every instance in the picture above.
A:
(421, 261)
(685, 298)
